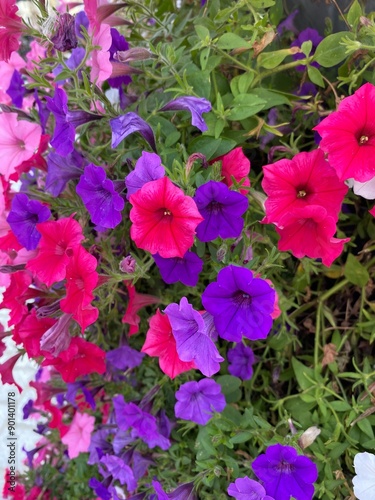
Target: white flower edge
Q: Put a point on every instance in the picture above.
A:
(364, 481)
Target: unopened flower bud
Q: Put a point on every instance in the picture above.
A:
(65, 37)
(133, 54)
(128, 264)
(308, 437)
(221, 253)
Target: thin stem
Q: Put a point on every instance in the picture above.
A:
(341, 14)
(283, 67)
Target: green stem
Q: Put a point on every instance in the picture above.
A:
(283, 67)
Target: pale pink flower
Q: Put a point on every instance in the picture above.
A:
(101, 66)
(7, 69)
(18, 142)
(78, 436)
(36, 53)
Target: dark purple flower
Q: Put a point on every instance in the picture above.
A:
(62, 169)
(185, 269)
(117, 468)
(288, 24)
(196, 106)
(183, 492)
(148, 168)
(286, 474)
(23, 217)
(241, 359)
(118, 44)
(100, 489)
(240, 304)
(65, 37)
(64, 133)
(127, 124)
(143, 424)
(27, 409)
(306, 35)
(16, 89)
(121, 439)
(192, 340)
(100, 196)
(43, 111)
(57, 338)
(124, 357)
(72, 390)
(81, 19)
(196, 401)
(245, 488)
(221, 209)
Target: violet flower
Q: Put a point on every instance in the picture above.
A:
(23, 217)
(127, 124)
(118, 44)
(196, 401)
(100, 489)
(286, 474)
(64, 133)
(241, 359)
(16, 89)
(118, 469)
(183, 492)
(240, 304)
(101, 196)
(148, 168)
(62, 169)
(288, 24)
(222, 210)
(245, 488)
(99, 446)
(65, 37)
(124, 357)
(185, 269)
(192, 341)
(309, 34)
(195, 105)
(71, 393)
(81, 19)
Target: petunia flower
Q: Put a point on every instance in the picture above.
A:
(6, 371)
(148, 168)
(183, 492)
(164, 219)
(19, 139)
(222, 210)
(245, 488)
(185, 269)
(305, 35)
(364, 480)
(59, 238)
(15, 296)
(118, 469)
(241, 359)
(196, 401)
(64, 132)
(23, 217)
(62, 169)
(286, 474)
(16, 89)
(11, 29)
(101, 68)
(348, 136)
(364, 189)
(195, 105)
(31, 330)
(192, 340)
(57, 338)
(124, 357)
(135, 303)
(64, 37)
(127, 124)
(79, 434)
(118, 44)
(101, 196)
(305, 180)
(161, 343)
(235, 164)
(240, 304)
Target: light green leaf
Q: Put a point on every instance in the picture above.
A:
(355, 12)
(355, 272)
(231, 41)
(245, 105)
(271, 60)
(329, 52)
(315, 76)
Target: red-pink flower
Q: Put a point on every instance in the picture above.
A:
(78, 436)
(15, 296)
(11, 28)
(6, 371)
(305, 180)
(309, 232)
(235, 164)
(81, 358)
(136, 302)
(160, 342)
(31, 330)
(348, 135)
(164, 219)
(56, 247)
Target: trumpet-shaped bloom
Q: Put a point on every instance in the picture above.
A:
(62, 169)
(240, 304)
(64, 133)
(31, 330)
(222, 210)
(160, 342)
(196, 401)
(235, 164)
(79, 434)
(305, 180)
(185, 269)
(286, 474)
(245, 488)
(241, 359)
(164, 219)
(148, 168)
(348, 135)
(195, 105)
(59, 239)
(136, 302)
(19, 139)
(127, 124)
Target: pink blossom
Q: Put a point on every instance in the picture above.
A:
(7, 69)
(19, 140)
(78, 436)
(101, 66)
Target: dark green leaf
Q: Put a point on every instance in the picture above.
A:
(329, 52)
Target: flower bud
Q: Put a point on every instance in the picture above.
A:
(128, 264)
(308, 437)
(65, 37)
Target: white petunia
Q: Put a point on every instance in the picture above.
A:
(364, 189)
(364, 481)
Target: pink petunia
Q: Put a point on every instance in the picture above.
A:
(101, 66)
(136, 302)
(7, 69)
(11, 28)
(78, 436)
(59, 239)
(348, 136)
(235, 164)
(19, 140)
(305, 180)
(164, 219)
(161, 343)
(309, 232)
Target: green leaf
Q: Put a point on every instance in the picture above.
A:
(210, 147)
(228, 384)
(355, 12)
(329, 52)
(202, 32)
(204, 57)
(272, 98)
(355, 272)
(300, 371)
(262, 4)
(366, 427)
(271, 60)
(306, 47)
(240, 84)
(340, 406)
(242, 437)
(231, 41)
(315, 76)
(245, 105)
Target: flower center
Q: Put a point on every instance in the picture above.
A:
(167, 212)
(215, 207)
(301, 193)
(363, 139)
(285, 467)
(242, 299)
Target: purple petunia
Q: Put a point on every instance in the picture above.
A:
(118, 469)
(124, 357)
(195, 105)
(306, 35)
(127, 124)
(148, 168)
(101, 196)
(185, 269)
(62, 169)
(192, 340)
(23, 217)
(221, 209)
(241, 360)
(118, 44)
(245, 488)
(16, 89)
(64, 133)
(240, 304)
(286, 474)
(183, 492)
(196, 401)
